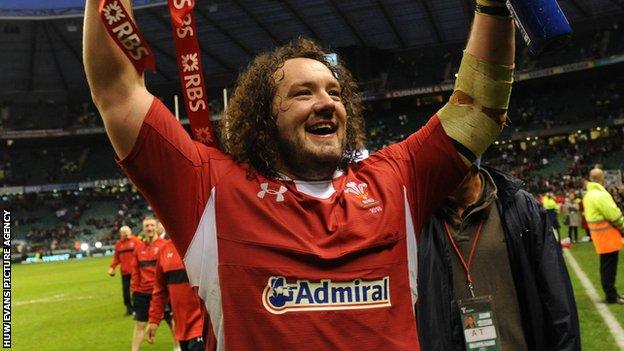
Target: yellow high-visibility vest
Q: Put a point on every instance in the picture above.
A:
(604, 219)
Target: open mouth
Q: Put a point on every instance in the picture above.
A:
(322, 129)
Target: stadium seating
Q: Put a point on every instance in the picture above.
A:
(55, 220)
(63, 160)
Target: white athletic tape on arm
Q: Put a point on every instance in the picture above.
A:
(485, 87)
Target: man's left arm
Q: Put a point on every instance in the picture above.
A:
(554, 286)
(477, 109)
(468, 123)
(135, 278)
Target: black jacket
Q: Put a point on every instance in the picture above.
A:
(541, 278)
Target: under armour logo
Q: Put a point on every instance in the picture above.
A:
(279, 197)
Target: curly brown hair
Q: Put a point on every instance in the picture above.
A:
(249, 132)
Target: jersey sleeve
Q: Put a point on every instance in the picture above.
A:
(430, 166)
(159, 295)
(172, 171)
(116, 260)
(135, 277)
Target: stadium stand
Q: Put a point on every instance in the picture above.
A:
(56, 220)
(57, 164)
(560, 163)
(407, 68)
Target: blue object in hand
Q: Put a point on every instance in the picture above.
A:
(541, 22)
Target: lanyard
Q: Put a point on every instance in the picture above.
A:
(192, 82)
(465, 264)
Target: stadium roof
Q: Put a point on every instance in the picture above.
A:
(46, 9)
(40, 41)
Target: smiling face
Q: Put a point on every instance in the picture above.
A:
(149, 228)
(311, 119)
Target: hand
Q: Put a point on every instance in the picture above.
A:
(111, 272)
(150, 332)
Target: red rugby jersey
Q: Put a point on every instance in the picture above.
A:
(124, 252)
(281, 264)
(171, 284)
(144, 265)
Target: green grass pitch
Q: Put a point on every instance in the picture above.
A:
(75, 305)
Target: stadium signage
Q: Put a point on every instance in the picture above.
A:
(101, 183)
(419, 91)
(280, 297)
(50, 258)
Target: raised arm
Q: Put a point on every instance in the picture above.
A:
(477, 109)
(492, 39)
(117, 89)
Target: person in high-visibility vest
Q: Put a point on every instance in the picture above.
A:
(552, 208)
(606, 224)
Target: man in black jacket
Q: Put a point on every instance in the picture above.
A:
(489, 251)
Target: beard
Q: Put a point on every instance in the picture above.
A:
(309, 163)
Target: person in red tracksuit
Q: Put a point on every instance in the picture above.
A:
(143, 275)
(172, 284)
(124, 250)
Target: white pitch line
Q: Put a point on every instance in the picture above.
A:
(614, 326)
(54, 298)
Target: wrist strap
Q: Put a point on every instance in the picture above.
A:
(496, 8)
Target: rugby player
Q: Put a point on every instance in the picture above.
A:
(291, 243)
(143, 275)
(171, 284)
(124, 250)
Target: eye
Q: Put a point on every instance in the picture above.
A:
(302, 92)
(335, 94)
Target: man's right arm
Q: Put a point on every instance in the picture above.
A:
(116, 259)
(155, 151)
(117, 89)
(136, 275)
(612, 213)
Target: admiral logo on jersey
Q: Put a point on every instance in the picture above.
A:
(280, 297)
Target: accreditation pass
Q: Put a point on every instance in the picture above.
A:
(479, 324)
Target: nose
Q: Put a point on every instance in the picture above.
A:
(325, 105)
